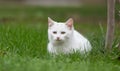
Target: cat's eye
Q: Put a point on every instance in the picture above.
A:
(62, 32)
(54, 32)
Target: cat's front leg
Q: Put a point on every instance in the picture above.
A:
(50, 49)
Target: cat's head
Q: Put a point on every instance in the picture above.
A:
(58, 31)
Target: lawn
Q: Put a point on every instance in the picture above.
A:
(23, 42)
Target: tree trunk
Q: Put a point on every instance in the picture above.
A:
(110, 24)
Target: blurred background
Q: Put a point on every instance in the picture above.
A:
(87, 12)
(80, 10)
(53, 2)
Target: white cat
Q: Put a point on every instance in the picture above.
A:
(63, 39)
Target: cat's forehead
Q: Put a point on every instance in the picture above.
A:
(59, 26)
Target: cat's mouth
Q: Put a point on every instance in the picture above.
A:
(58, 40)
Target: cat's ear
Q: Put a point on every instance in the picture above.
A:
(69, 23)
(50, 22)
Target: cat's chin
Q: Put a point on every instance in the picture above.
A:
(58, 41)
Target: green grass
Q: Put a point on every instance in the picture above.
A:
(24, 48)
(23, 42)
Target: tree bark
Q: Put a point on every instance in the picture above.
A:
(110, 24)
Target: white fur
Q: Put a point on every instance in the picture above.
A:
(70, 42)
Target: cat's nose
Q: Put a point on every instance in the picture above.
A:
(58, 38)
